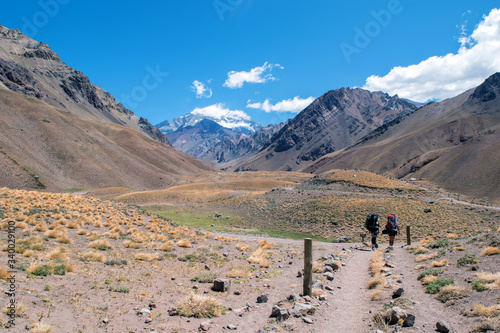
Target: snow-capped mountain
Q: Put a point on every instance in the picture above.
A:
(235, 120)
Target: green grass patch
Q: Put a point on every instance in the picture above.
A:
(435, 287)
(430, 271)
(119, 289)
(204, 278)
(467, 259)
(478, 286)
(440, 243)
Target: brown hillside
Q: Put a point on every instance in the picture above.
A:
(454, 143)
(44, 146)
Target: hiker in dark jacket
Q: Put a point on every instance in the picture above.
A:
(372, 225)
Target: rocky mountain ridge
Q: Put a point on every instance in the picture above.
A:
(333, 121)
(34, 69)
(454, 143)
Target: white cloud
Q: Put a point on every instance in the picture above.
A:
(440, 77)
(256, 75)
(218, 111)
(201, 89)
(294, 105)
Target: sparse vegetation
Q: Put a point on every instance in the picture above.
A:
(435, 287)
(200, 306)
(467, 259)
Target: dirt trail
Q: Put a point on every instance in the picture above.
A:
(427, 310)
(349, 307)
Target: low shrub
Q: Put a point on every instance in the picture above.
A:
(119, 289)
(204, 278)
(467, 259)
(452, 292)
(440, 243)
(435, 287)
(430, 271)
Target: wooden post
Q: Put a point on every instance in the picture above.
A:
(308, 263)
(408, 235)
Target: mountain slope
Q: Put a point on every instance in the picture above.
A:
(335, 120)
(45, 147)
(454, 143)
(59, 131)
(197, 139)
(32, 68)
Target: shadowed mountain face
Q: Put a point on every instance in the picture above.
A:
(334, 121)
(454, 143)
(60, 131)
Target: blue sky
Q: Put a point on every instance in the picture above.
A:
(163, 59)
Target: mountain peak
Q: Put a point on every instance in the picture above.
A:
(488, 90)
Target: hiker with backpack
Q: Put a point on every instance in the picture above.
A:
(372, 225)
(391, 229)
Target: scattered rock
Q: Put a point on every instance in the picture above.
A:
(295, 313)
(389, 264)
(205, 326)
(279, 314)
(409, 321)
(326, 269)
(238, 312)
(318, 285)
(332, 264)
(322, 297)
(105, 320)
(221, 285)
(293, 297)
(307, 320)
(152, 305)
(396, 314)
(262, 299)
(329, 288)
(329, 276)
(144, 311)
(148, 321)
(232, 327)
(443, 327)
(173, 312)
(427, 210)
(398, 293)
(303, 308)
(300, 274)
(237, 292)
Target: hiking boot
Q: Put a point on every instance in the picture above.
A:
(373, 247)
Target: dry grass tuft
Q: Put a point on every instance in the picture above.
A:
(490, 251)
(441, 263)
(184, 243)
(418, 267)
(4, 273)
(426, 241)
(146, 257)
(167, 246)
(317, 267)
(20, 308)
(452, 236)
(260, 257)
(428, 279)
(242, 247)
(460, 248)
(93, 255)
(41, 226)
(452, 292)
(82, 232)
(266, 244)
(131, 245)
(200, 306)
(484, 311)
(58, 254)
(41, 328)
(240, 272)
(100, 244)
(425, 257)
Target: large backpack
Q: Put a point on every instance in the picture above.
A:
(392, 223)
(372, 222)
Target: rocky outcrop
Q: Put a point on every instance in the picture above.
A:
(17, 78)
(152, 131)
(42, 51)
(78, 87)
